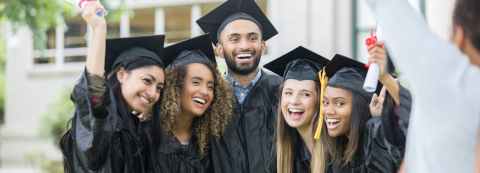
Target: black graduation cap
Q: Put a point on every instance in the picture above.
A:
(215, 20)
(194, 50)
(299, 64)
(119, 50)
(349, 74)
(346, 73)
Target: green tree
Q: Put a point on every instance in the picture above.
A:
(54, 122)
(40, 15)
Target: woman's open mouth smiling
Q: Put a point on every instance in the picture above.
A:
(295, 114)
(199, 101)
(144, 101)
(332, 123)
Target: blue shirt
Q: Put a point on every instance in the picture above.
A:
(240, 91)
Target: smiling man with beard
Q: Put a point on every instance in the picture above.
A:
(239, 30)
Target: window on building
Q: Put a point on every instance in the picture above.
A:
(46, 57)
(177, 23)
(113, 30)
(76, 32)
(363, 21)
(143, 22)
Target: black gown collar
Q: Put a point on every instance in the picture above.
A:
(302, 153)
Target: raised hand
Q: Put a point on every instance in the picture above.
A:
(90, 14)
(378, 55)
(376, 105)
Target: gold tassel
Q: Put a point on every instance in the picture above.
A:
(323, 82)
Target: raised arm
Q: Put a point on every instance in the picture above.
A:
(96, 57)
(424, 58)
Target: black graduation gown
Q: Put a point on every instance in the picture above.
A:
(301, 163)
(172, 158)
(148, 155)
(246, 145)
(382, 144)
(101, 143)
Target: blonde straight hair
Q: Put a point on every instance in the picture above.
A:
(287, 139)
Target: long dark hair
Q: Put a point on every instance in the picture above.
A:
(341, 146)
(115, 87)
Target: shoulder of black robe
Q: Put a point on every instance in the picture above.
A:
(249, 137)
(148, 155)
(382, 144)
(171, 157)
(91, 144)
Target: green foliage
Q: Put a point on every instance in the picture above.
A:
(40, 15)
(54, 122)
(2, 73)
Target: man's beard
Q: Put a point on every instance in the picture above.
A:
(243, 68)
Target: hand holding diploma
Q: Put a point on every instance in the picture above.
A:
(90, 14)
(83, 3)
(96, 56)
(378, 56)
(371, 80)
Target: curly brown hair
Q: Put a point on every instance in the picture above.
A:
(214, 120)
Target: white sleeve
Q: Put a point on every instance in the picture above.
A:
(425, 59)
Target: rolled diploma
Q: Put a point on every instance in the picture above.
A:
(371, 80)
(373, 73)
(75, 2)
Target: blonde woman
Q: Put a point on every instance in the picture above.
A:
(298, 112)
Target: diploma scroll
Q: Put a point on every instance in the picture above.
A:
(373, 73)
(371, 80)
(81, 4)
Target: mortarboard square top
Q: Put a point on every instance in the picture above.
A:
(231, 10)
(349, 74)
(119, 50)
(299, 64)
(194, 50)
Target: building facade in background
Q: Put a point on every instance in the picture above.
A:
(34, 79)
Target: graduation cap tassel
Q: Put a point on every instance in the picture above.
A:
(323, 81)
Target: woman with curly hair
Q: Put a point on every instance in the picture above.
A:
(196, 107)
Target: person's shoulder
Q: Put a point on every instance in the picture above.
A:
(372, 124)
(272, 79)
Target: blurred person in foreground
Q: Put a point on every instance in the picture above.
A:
(239, 29)
(445, 81)
(105, 135)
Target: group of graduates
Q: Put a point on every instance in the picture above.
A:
(140, 107)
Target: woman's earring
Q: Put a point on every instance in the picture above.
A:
(120, 81)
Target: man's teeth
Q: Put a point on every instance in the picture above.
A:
(199, 100)
(244, 55)
(296, 110)
(329, 120)
(144, 100)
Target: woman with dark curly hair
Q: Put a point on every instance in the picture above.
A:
(196, 107)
